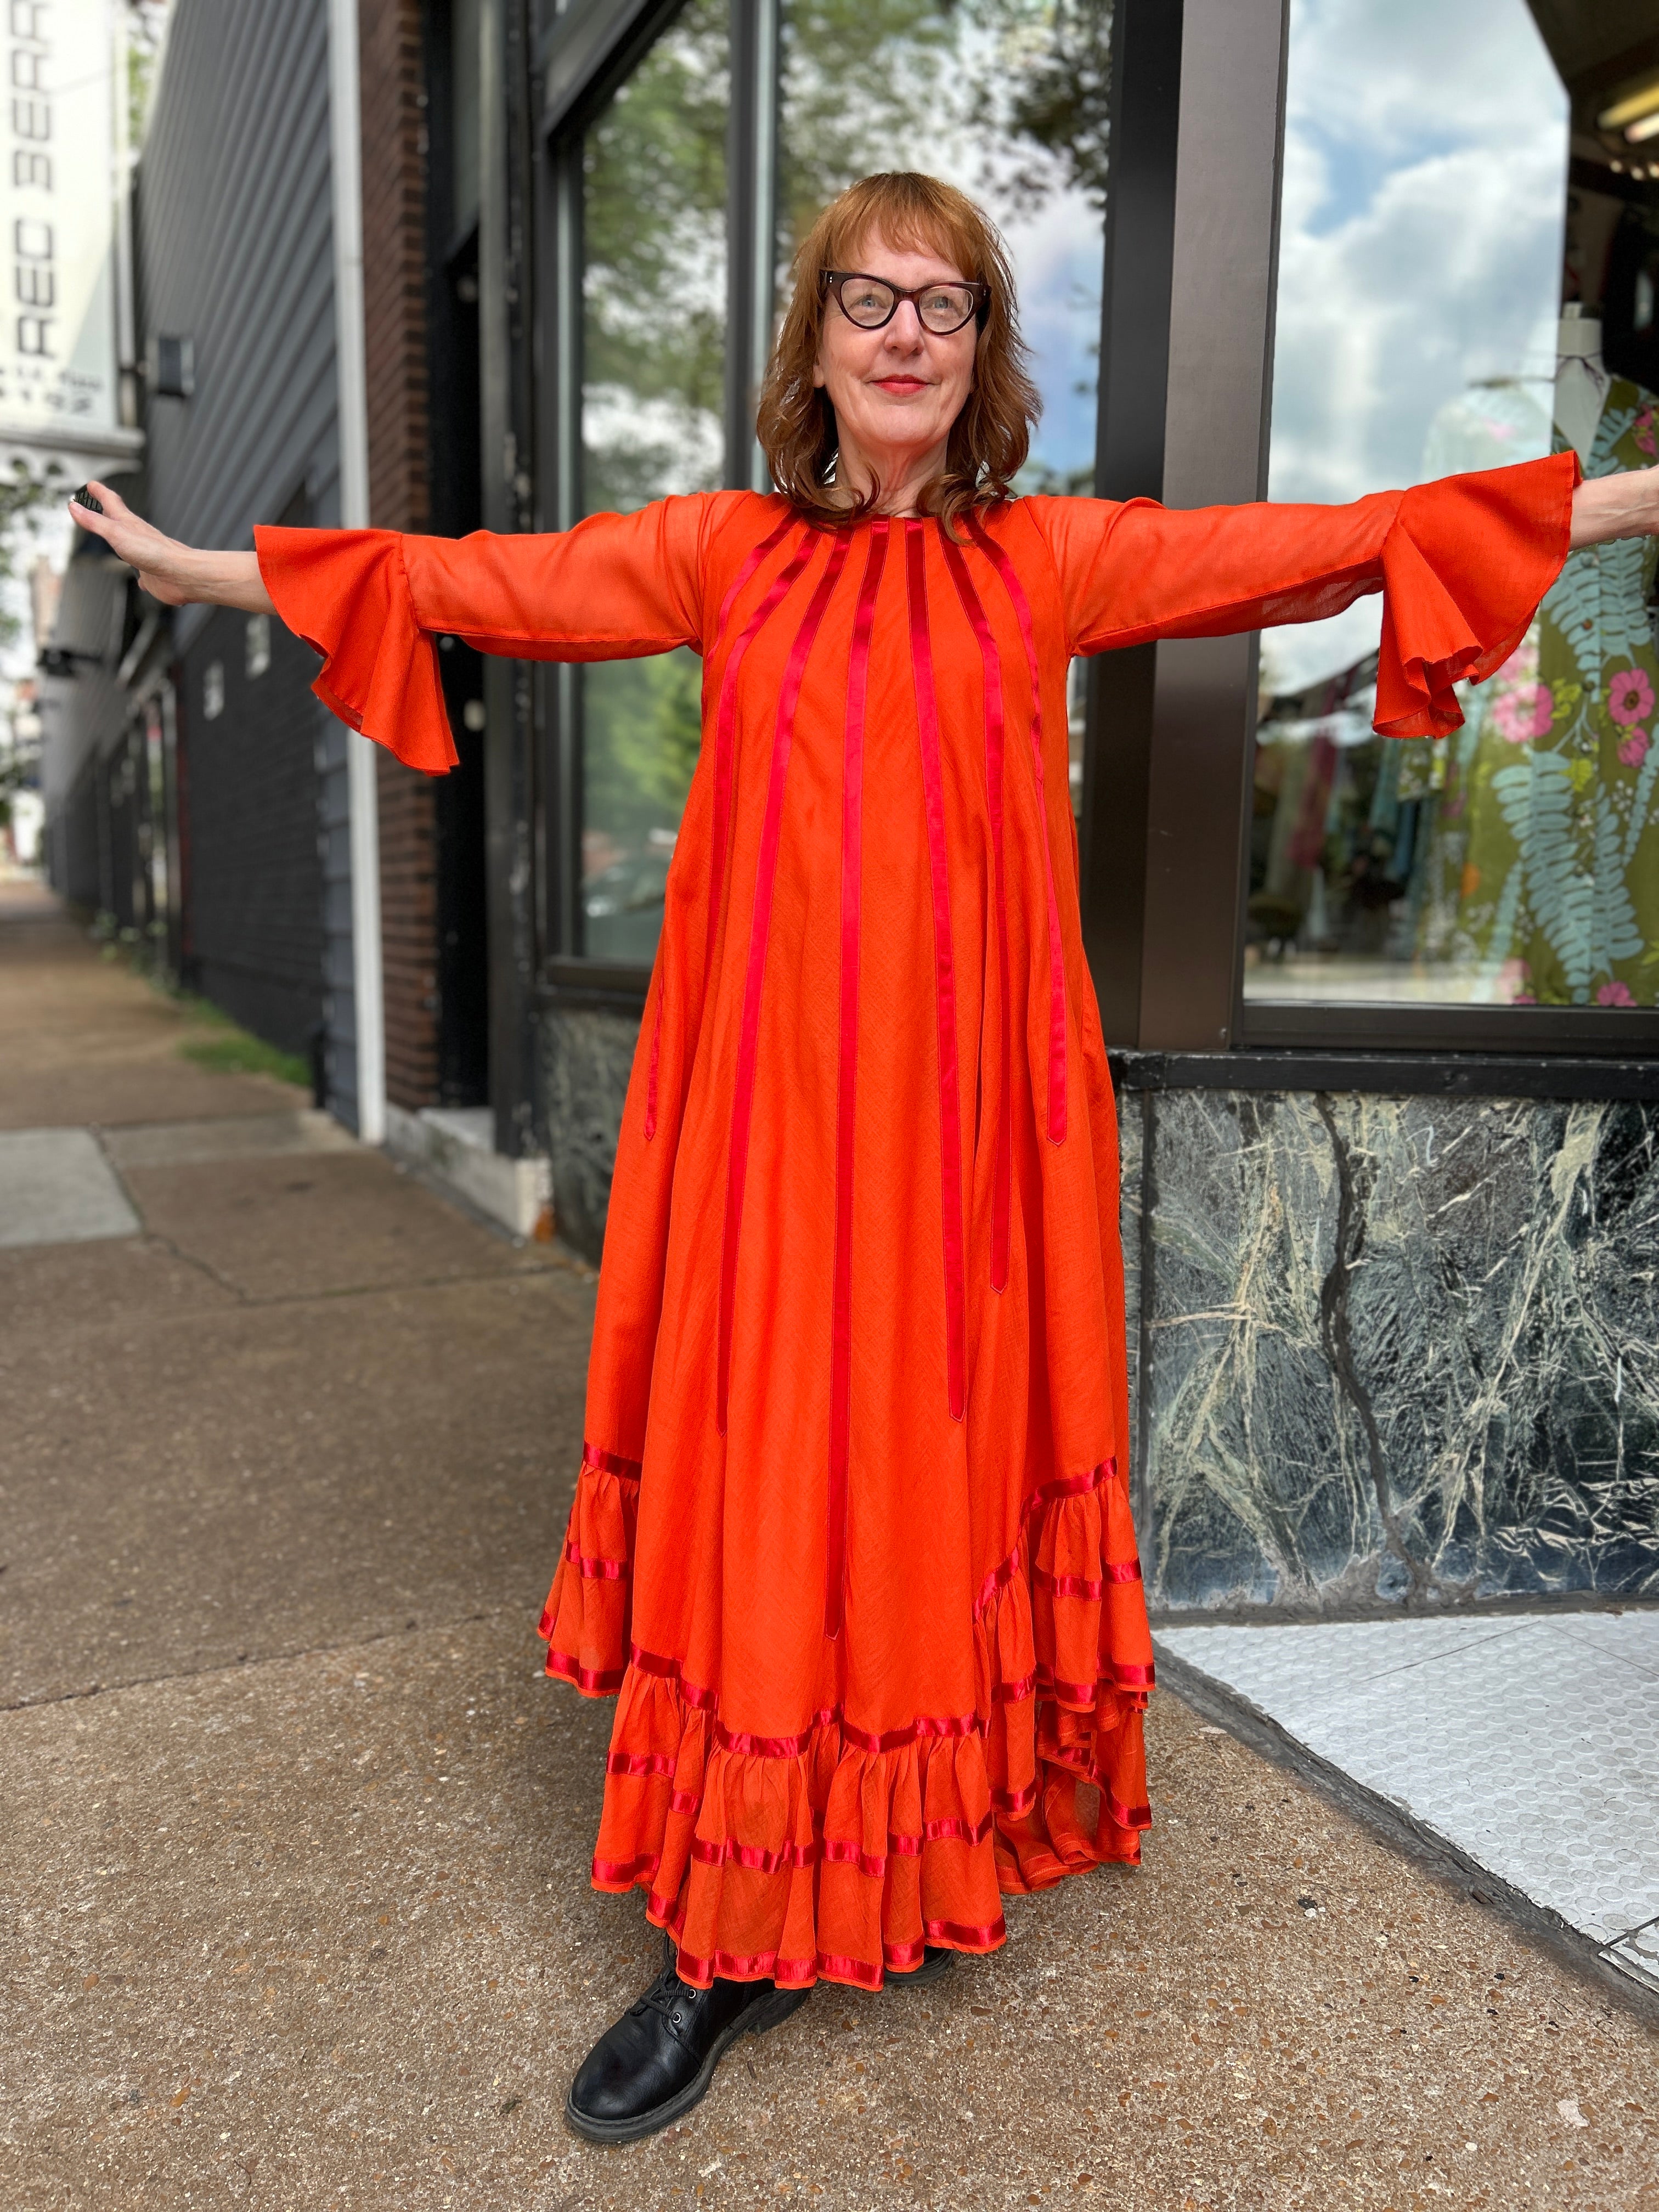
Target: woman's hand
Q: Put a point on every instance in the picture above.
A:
(174, 573)
(1625, 505)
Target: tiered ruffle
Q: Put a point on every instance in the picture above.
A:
(839, 1854)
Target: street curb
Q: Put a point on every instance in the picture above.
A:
(1392, 1824)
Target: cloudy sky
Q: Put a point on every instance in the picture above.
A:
(1424, 184)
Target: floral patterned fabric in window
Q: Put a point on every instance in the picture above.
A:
(1546, 859)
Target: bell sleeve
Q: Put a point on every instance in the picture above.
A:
(375, 603)
(1461, 565)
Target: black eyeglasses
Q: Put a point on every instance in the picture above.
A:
(870, 302)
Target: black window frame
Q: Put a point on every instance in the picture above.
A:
(1185, 393)
(585, 55)
(1196, 212)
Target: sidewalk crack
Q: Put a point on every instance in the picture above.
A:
(249, 1666)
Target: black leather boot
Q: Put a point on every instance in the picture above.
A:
(935, 1960)
(659, 2058)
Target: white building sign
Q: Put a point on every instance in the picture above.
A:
(60, 384)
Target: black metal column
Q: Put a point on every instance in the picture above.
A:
(752, 235)
(1133, 393)
(505, 319)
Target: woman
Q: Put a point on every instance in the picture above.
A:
(852, 1535)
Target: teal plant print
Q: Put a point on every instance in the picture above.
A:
(1547, 861)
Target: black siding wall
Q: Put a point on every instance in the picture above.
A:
(235, 251)
(254, 928)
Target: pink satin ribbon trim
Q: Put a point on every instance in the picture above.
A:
(594, 1568)
(591, 1682)
(740, 1966)
(846, 1851)
(661, 980)
(945, 987)
(639, 1763)
(852, 863)
(990, 662)
(726, 718)
(962, 1935)
(759, 934)
(624, 1873)
(609, 1463)
(1011, 584)
(1083, 1585)
(752, 1858)
(1127, 1816)
(752, 562)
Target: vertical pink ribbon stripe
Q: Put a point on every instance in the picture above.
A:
(944, 989)
(1016, 591)
(751, 561)
(852, 861)
(725, 719)
(991, 684)
(759, 930)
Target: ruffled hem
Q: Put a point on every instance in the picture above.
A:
(838, 1854)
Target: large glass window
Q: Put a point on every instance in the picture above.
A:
(1007, 100)
(1470, 241)
(653, 359)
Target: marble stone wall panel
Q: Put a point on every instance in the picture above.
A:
(586, 1055)
(1396, 1350)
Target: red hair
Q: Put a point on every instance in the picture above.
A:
(991, 436)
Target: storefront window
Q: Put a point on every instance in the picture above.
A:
(1007, 99)
(653, 358)
(1470, 240)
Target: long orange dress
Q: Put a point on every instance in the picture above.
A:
(852, 1537)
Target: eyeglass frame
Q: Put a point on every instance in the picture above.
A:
(831, 280)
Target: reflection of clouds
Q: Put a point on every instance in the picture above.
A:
(682, 446)
(1393, 74)
(1422, 219)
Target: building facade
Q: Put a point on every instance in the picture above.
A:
(1384, 1016)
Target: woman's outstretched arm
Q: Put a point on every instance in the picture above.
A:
(1461, 563)
(176, 575)
(375, 603)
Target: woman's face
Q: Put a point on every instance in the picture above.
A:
(895, 391)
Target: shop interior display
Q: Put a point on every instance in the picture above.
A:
(1516, 861)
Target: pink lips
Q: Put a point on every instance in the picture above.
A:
(900, 384)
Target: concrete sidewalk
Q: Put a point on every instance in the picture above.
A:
(295, 1837)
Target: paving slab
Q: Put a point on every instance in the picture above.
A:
(287, 1227)
(1528, 1744)
(318, 1932)
(46, 1289)
(227, 1137)
(56, 1187)
(183, 1485)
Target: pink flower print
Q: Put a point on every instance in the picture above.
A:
(1524, 713)
(1614, 995)
(1521, 666)
(1633, 749)
(1630, 697)
(1645, 440)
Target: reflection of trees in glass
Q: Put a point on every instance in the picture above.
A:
(1049, 98)
(643, 725)
(1008, 97)
(653, 283)
(654, 295)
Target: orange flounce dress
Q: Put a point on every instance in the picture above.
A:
(851, 1541)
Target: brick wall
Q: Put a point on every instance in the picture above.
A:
(394, 154)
